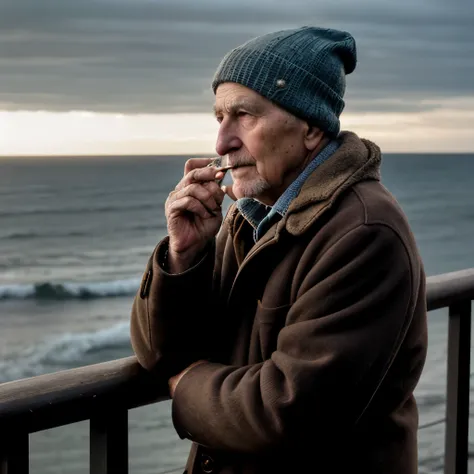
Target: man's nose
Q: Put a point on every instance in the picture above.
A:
(227, 140)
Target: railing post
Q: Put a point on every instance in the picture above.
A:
(14, 453)
(109, 443)
(458, 388)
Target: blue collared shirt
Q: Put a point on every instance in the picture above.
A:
(261, 216)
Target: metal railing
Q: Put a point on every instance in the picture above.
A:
(103, 393)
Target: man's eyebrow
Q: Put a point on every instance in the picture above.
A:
(240, 103)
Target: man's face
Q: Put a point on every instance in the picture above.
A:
(266, 143)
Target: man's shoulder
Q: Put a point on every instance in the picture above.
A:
(365, 204)
(379, 206)
(366, 213)
(370, 203)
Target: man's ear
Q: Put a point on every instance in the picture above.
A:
(313, 137)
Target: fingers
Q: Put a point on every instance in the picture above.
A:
(215, 190)
(194, 163)
(190, 204)
(210, 197)
(229, 191)
(199, 175)
(198, 192)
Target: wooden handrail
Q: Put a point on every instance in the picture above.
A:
(449, 288)
(46, 401)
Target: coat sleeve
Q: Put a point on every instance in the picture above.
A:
(169, 314)
(341, 335)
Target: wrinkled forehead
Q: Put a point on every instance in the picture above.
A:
(231, 96)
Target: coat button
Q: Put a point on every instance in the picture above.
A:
(207, 464)
(281, 83)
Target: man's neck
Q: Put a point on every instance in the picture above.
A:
(271, 199)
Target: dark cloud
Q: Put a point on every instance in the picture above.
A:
(160, 55)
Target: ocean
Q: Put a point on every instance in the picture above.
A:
(75, 235)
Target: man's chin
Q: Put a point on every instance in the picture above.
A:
(248, 190)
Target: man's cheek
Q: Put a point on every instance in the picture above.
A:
(267, 171)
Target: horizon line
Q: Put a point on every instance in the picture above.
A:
(204, 155)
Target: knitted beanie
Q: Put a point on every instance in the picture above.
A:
(302, 70)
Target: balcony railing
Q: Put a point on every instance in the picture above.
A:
(103, 393)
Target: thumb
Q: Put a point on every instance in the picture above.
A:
(228, 190)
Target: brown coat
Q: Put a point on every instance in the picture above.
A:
(316, 336)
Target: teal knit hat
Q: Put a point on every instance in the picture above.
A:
(303, 70)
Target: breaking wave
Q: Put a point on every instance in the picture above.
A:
(69, 291)
(68, 350)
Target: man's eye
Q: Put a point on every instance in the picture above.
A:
(241, 113)
(219, 119)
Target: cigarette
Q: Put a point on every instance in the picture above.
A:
(217, 162)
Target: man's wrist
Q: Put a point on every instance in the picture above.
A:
(176, 262)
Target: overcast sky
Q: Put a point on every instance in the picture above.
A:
(130, 63)
(159, 55)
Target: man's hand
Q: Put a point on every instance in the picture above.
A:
(193, 212)
(173, 381)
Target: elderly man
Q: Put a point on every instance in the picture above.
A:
(293, 333)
